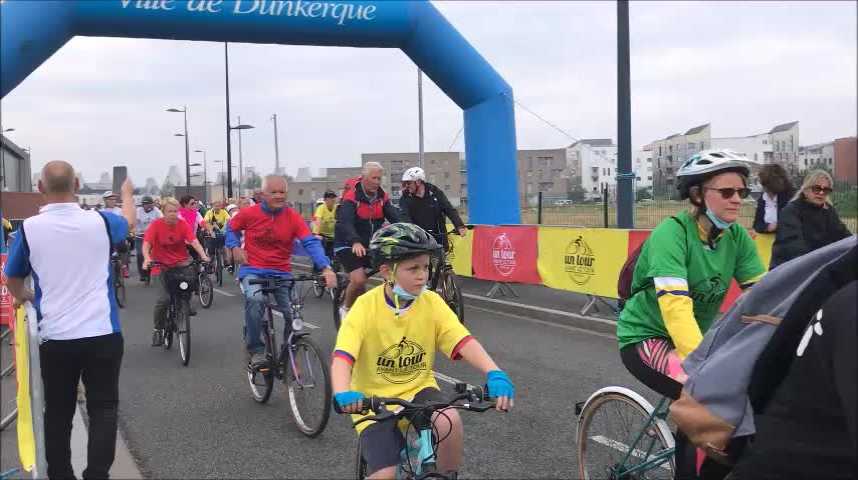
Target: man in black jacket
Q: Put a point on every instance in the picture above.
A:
(426, 206)
(362, 210)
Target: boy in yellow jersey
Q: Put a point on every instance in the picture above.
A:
(324, 219)
(386, 348)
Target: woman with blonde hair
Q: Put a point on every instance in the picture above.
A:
(809, 221)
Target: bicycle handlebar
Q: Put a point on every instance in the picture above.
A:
(475, 397)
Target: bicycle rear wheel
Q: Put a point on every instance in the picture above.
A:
(607, 429)
(261, 383)
(451, 292)
(360, 463)
(308, 387)
(183, 332)
(119, 288)
(206, 290)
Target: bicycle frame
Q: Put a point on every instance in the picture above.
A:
(295, 311)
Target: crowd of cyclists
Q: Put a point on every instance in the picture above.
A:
(679, 282)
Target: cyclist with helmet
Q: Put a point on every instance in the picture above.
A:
(146, 214)
(324, 221)
(401, 323)
(684, 271)
(111, 201)
(425, 205)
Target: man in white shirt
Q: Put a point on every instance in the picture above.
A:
(67, 252)
(146, 214)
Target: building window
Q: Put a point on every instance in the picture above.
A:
(446, 174)
(649, 178)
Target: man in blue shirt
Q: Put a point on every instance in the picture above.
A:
(66, 250)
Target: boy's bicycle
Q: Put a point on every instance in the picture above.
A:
(298, 362)
(419, 457)
(622, 437)
(178, 321)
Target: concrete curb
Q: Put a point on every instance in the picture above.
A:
(123, 466)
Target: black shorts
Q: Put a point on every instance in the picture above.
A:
(352, 262)
(380, 443)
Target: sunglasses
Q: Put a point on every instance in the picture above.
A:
(819, 189)
(727, 193)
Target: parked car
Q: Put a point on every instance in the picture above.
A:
(562, 203)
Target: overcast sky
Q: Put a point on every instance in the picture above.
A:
(744, 67)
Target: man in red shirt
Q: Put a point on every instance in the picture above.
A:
(165, 242)
(269, 229)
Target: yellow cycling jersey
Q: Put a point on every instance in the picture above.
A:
(393, 356)
(217, 219)
(324, 221)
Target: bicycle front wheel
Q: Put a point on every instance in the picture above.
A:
(206, 291)
(338, 295)
(308, 386)
(451, 292)
(183, 332)
(219, 268)
(616, 436)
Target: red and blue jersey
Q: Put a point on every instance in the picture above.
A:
(268, 239)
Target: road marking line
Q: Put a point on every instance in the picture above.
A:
(224, 293)
(622, 447)
(539, 309)
(544, 322)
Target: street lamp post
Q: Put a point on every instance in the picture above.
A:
(228, 127)
(205, 175)
(239, 127)
(276, 147)
(187, 147)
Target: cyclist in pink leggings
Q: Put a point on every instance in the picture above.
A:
(683, 273)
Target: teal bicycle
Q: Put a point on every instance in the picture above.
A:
(419, 457)
(621, 436)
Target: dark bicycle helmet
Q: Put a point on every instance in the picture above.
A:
(400, 241)
(706, 164)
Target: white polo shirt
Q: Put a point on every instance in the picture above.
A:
(67, 251)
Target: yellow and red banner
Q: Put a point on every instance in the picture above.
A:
(583, 260)
(26, 437)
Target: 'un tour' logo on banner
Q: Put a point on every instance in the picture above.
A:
(503, 255)
(579, 261)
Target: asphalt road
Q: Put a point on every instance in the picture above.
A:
(201, 422)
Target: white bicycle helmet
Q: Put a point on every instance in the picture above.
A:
(413, 174)
(231, 207)
(705, 164)
(108, 194)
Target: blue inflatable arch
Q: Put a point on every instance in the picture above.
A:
(31, 31)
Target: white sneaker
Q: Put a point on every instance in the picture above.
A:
(343, 312)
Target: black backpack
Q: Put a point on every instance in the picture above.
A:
(627, 273)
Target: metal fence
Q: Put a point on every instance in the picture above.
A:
(652, 205)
